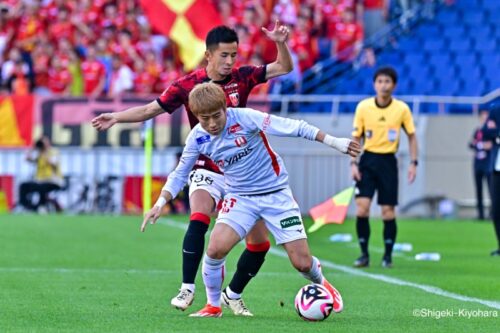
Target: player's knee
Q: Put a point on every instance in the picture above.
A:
(388, 213)
(215, 251)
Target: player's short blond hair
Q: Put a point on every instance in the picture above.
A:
(206, 97)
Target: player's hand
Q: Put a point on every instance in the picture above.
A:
(103, 121)
(412, 173)
(356, 175)
(353, 149)
(152, 216)
(279, 34)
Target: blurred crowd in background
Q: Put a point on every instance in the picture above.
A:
(107, 48)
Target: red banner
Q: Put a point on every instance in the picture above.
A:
(16, 121)
(132, 193)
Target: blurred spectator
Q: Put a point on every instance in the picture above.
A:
(303, 44)
(59, 78)
(286, 12)
(169, 74)
(48, 177)
(6, 30)
(94, 76)
(348, 38)
(482, 160)
(122, 79)
(8, 66)
(143, 81)
(75, 68)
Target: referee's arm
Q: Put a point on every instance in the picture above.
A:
(412, 171)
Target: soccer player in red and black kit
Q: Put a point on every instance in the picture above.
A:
(206, 179)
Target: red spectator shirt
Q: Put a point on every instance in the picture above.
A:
(347, 35)
(60, 30)
(59, 80)
(236, 86)
(144, 82)
(92, 72)
(373, 4)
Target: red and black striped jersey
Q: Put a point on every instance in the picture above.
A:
(237, 86)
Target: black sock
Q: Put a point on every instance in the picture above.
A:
(390, 230)
(363, 230)
(192, 249)
(248, 265)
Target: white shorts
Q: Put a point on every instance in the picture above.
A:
(279, 210)
(213, 183)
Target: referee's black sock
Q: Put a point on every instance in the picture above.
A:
(193, 246)
(390, 230)
(249, 264)
(363, 230)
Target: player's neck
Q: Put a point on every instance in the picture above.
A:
(383, 101)
(214, 75)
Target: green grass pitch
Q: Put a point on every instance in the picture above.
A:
(100, 274)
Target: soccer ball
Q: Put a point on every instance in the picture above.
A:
(313, 302)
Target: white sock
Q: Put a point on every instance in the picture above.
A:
(231, 294)
(189, 286)
(213, 276)
(314, 275)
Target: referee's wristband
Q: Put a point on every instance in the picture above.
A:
(354, 162)
(414, 162)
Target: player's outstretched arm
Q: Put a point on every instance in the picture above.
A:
(154, 213)
(132, 115)
(283, 63)
(344, 145)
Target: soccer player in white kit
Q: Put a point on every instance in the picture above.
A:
(256, 183)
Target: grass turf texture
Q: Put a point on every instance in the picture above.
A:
(100, 274)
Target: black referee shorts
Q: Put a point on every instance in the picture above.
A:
(379, 172)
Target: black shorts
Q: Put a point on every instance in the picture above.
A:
(379, 172)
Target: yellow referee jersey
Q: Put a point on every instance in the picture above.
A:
(381, 127)
(45, 171)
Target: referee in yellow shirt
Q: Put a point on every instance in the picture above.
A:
(378, 121)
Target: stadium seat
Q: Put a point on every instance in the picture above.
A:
(448, 17)
(459, 45)
(429, 31)
(448, 87)
(485, 44)
(433, 45)
(409, 45)
(473, 18)
(414, 59)
(473, 88)
(439, 59)
(453, 32)
(466, 60)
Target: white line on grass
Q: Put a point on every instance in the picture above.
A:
(380, 277)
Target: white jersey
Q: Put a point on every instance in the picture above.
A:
(242, 152)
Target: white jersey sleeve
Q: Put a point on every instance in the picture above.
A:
(178, 178)
(275, 125)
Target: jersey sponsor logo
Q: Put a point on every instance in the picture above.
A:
(233, 159)
(231, 86)
(240, 141)
(290, 222)
(233, 129)
(234, 98)
(266, 122)
(203, 139)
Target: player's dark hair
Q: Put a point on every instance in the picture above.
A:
(220, 34)
(388, 71)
